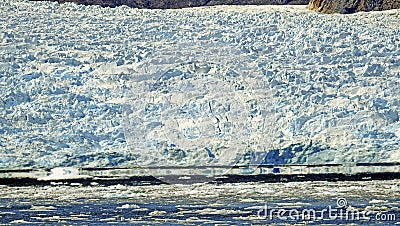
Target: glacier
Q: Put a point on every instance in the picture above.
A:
(66, 69)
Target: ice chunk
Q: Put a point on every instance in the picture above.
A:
(63, 173)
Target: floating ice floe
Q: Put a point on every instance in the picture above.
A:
(63, 173)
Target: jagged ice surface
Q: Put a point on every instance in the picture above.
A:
(65, 69)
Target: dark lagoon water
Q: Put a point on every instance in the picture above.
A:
(357, 202)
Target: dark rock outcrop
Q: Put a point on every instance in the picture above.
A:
(352, 6)
(175, 4)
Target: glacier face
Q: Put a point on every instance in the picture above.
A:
(199, 104)
(65, 70)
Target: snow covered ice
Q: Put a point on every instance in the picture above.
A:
(65, 70)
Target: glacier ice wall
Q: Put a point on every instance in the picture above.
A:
(65, 70)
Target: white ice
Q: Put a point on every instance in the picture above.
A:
(65, 69)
